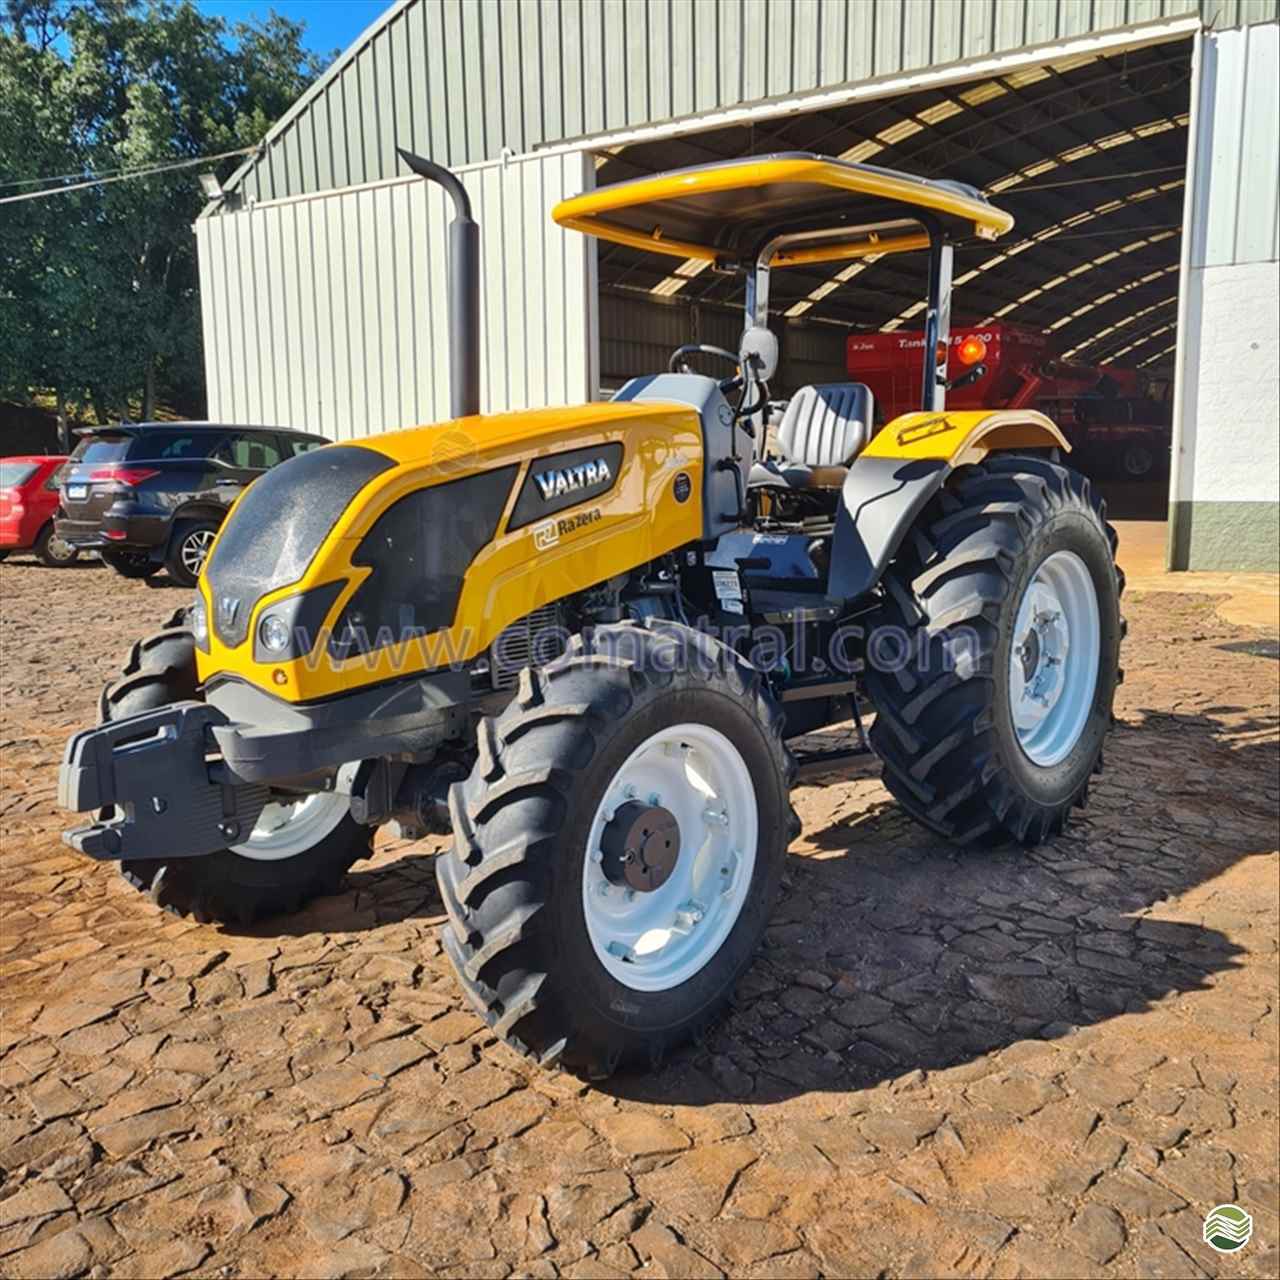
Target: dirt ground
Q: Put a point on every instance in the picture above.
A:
(1045, 1063)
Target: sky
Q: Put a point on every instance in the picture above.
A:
(330, 24)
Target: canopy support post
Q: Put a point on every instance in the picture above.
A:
(937, 321)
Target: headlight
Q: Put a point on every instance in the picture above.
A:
(273, 631)
(289, 628)
(200, 624)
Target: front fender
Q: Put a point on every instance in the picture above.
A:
(903, 467)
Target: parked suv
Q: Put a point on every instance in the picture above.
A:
(151, 495)
(28, 501)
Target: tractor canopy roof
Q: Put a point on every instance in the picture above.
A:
(810, 208)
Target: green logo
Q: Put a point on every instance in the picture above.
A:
(1227, 1228)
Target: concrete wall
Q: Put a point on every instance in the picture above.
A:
(1226, 507)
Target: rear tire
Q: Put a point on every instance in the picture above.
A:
(130, 564)
(188, 550)
(983, 734)
(263, 877)
(52, 550)
(518, 882)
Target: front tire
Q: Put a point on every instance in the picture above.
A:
(1005, 606)
(296, 852)
(658, 736)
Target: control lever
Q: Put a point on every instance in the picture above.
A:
(967, 378)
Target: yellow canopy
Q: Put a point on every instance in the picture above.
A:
(729, 209)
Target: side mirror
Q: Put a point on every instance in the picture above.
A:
(758, 353)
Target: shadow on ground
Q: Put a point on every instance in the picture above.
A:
(890, 951)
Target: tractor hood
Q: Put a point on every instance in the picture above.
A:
(412, 550)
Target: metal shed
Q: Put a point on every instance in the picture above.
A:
(321, 267)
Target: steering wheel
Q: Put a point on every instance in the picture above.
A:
(678, 363)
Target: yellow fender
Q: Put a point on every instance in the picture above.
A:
(903, 467)
(964, 436)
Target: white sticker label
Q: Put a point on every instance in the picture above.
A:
(728, 589)
(545, 535)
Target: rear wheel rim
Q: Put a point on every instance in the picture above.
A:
(194, 550)
(1138, 460)
(285, 829)
(61, 550)
(1053, 660)
(657, 940)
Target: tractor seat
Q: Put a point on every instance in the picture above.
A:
(822, 430)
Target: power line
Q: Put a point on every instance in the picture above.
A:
(119, 175)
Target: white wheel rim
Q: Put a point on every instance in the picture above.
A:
(1137, 461)
(286, 829)
(195, 547)
(1053, 660)
(655, 941)
(61, 550)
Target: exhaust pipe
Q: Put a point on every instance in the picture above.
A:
(464, 288)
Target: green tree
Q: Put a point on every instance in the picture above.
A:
(98, 287)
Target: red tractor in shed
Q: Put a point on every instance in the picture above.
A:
(1117, 419)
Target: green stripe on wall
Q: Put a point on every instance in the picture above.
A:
(1227, 537)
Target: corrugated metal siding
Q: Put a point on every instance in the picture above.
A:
(1237, 197)
(459, 80)
(330, 312)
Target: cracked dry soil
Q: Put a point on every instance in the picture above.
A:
(1043, 1063)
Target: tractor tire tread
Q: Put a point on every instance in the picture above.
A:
(931, 732)
(494, 895)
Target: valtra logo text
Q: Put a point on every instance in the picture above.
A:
(551, 484)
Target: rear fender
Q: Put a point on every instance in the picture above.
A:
(903, 467)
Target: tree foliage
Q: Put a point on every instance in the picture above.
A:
(98, 287)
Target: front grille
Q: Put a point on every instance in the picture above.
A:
(536, 639)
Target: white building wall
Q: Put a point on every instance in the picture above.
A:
(1226, 502)
(329, 312)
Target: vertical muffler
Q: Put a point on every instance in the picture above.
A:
(464, 288)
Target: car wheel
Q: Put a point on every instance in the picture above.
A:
(53, 550)
(188, 551)
(130, 564)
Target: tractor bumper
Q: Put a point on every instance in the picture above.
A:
(157, 792)
(191, 778)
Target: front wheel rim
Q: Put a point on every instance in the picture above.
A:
(286, 828)
(654, 941)
(195, 547)
(1053, 658)
(61, 550)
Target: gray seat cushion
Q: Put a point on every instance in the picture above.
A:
(828, 425)
(774, 474)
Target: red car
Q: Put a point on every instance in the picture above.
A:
(28, 503)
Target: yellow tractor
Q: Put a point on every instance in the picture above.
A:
(581, 638)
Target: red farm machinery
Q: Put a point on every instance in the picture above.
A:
(1117, 419)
